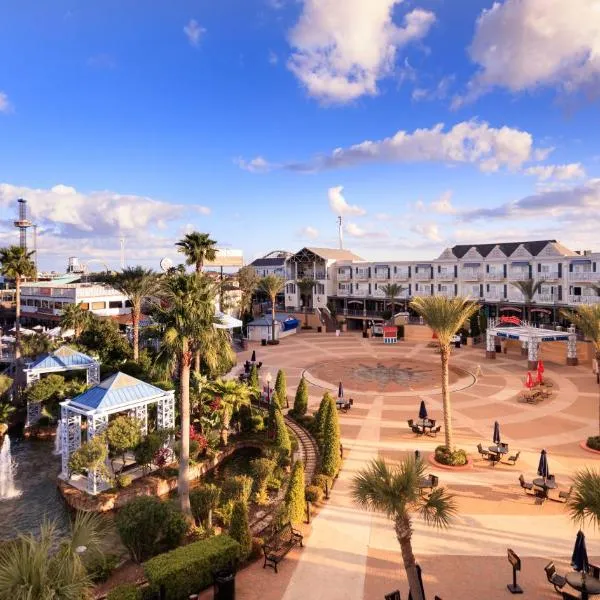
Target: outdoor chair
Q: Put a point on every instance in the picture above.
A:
(415, 429)
(410, 423)
(564, 496)
(436, 430)
(435, 480)
(482, 452)
(504, 445)
(594, 571)
(526, 485)
(568, 596)
(393, 595)
(513, 459)
(558, 581)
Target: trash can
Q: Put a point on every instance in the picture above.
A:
(319, 329)
(263, 342)
(224, 585)
(457, 344)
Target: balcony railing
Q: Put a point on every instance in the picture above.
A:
(492, 276)
(400, 276)
(343, 292)
(548, 276)
(425, 276)
(493, 296)
(445, 293)
(470, 274)
(378, 294)
(422, 293)
(361, 275)
(515, 298)
(546, 298)
(584, 299)
(344, 276)
(382, 275)
(518, 275)
(445, 276)
(584, 276)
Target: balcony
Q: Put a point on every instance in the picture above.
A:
(584, 299)
(400, 276)
(362, 275)
(343, 292)
(422, 293)
(422, 276)
(546, 298)
(445, 276)
(495, 276)
(584, 276)
(548, 276)
(383, 275)
(493, 296)
(445, 293)
(379, 293)
(344, 276)
(512, 297)
(470, 274)
(518, 274)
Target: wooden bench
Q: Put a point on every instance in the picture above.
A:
(279, 544)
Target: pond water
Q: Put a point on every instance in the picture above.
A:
(34, 495)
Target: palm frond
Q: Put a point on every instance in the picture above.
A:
(587, 319)
(584, 502)
(528, 287)
(438, 509)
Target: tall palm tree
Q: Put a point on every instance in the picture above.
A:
(186, 312)
(271, 285)
(445, 316)
(232, 394)
(198, 248)
(247, 281)
(137, 284)
(392, 291)
(529, 288)
(16, 264)
(584, 502)
(75, 317)
(306, 286)
(394, 490)
(39, 567)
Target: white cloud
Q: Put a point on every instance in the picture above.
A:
(273, 58)
(560, 172)
(194, 32)
(524, 44)
(276, 4)
(309, 232)
(428, 230)
(342, 49)
(4, 103)
(338, 203)
(355, 231)
(254, 165)
(439, 92)
(443, 205)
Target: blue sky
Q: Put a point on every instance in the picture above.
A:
(150, 119)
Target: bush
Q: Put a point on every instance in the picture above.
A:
(281, 387)
(125, 591)
(44, 421)
(245, 418)
(313, 493)
(282, 438)
(257, 547)
(122, 435)
(294, 496)
(146, 450)
(101, 566)
(330, 458)
(253, 378)
(454, 459)
(204, 500)
(90, 455)
(321, 414)
(257, 423)
(122, 481)
(237, 488)
(594, 442)
(224, 513)
(189, 569)
(262, 469)
(239, 530)
(301, 399)
(194, 449)
(323, 481)
(148, 526)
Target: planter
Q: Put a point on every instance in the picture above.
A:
(263, 342)
(435, 463)
(273, 343)
(365, 334)
(583, 444)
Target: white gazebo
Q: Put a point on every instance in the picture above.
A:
(119, 393)
(61, 360)
(531, 337)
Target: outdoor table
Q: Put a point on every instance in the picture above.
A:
(425, 483)
(549, 484)
(592, 585)
(426, 424)
(498, 449)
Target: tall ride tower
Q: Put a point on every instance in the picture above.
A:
(23, 223)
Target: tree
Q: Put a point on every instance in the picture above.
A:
(282, 437)
(529, 288)
(262, 469)
(137, 284)
(239, 529)
(395, 491)
(324, 407)
(232, 395)
(271, 285)
(330, 457)
(247, 283)
(281, 388)
(392, 291)
(16, 264)
(301, 398)
(47, 565)
(6, 383)
(198, 248)
(253, 379)
(584, 502)
(205, 499)
(294, 495)
(122, 434)
(75, 317)
(90, 456)
(186, 312)
(102, 337)
(306, 286)
(445, 316)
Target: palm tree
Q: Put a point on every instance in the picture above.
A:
(306, 286)
(16, 264)
(198, 248)
(394, 490)
(271, 285)
(391, 291)
(529, 288)
(37, 344)
(247, 280)
(445, 316)
(232, 394)
(137, 284)
(39, 567)
(186, 314)
(584, 502)
(75, 317)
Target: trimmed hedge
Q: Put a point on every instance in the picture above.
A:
(594, 442)
(189, 569)
(281, 388)
(458, 458)
(301, 399)
(125, 591)
(294, 496)
(239, 529)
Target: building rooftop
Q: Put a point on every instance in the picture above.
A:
(268, 262)
(63, 358)
(334, 253)
(508, 248)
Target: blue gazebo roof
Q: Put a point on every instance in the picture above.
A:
(63, 358)
(118, 390)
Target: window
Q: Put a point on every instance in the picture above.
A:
(115, 304)
(291, 288)
(85, 306)
(128, 304)
(320, 288)
(36, 303)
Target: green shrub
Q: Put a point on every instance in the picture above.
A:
(194, 449)
(445, 457)
(239, 530)
(122, 435)
(313, 493)
(123, 481)
(262, 469)
(294, 496)
(148, 526)
(101, 566)
(125, 591)
(253, 379)
(237, 488)
(146, 450)
(204, 500)
(244, 416)
(321, 414)
(281, 387)
(301, 399)
(44, 421)
(224, 512)
(257, 547)
(323, 481)
(330, 456)
(594, 442)
(282, 439)
(189, 569)
(257, 423)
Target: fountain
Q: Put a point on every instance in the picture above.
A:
(58, 439)
(7, 484)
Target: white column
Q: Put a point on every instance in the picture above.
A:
(533, 345)
(572, 349)
(166, 411)
(490, 346)
(141, 414)
(96, 425)
(71, 437)
(93, 374)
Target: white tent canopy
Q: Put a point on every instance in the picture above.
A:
(227, 321)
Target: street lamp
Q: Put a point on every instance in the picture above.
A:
(268, 379)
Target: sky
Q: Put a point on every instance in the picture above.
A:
(423, 123)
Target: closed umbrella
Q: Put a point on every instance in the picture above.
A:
(496, 439)
(540, 366)
(420, 576)
(579, 560)
(529, 381)
(543, 470)
(423, 411)
(540, 372)
(253, 359)
(340, 390)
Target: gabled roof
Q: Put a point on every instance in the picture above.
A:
(534, 248)
(334, 253)
(63, 358)
(268, 262)
(118, 390)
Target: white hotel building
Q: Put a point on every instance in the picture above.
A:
(484, 272)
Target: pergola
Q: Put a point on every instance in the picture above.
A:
(119, 393)
(532, 337)
(61, 360)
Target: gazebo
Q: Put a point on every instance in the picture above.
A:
(119, 393)
(61, 360)
(532, 337)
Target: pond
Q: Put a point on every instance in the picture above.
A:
(33, 495)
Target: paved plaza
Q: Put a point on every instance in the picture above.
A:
(350, 554)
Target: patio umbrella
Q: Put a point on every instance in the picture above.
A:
(420, 583)
(529, 381)
(253, 359)
(540, 372)
(540, 366)
(543, 470)
(579, 560)
(496, 438)
(340, 390)
(539, 380)
(422, 411)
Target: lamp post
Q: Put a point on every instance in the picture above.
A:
(268, 379)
